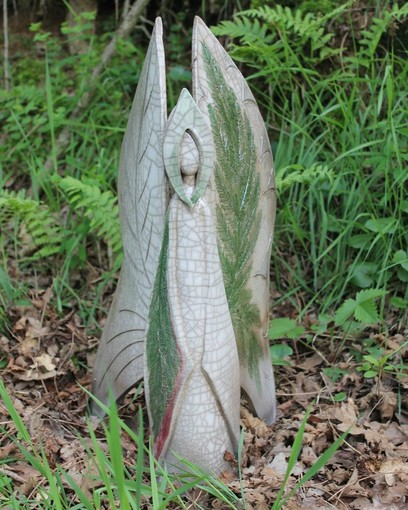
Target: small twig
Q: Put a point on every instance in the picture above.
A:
(6, 48)
(85, 100)
(317, 392)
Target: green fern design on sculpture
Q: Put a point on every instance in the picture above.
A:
(161, 347)
(238, 219)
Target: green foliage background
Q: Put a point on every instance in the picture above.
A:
(338, 114)
(331, 82)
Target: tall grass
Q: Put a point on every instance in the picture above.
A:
(337, 115)
(342, 110)
(108, 482)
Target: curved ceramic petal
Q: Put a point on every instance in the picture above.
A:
(199, 418)
(142, 198)
(192, 366)
(243, 177)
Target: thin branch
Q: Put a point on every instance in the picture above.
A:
(6, 48)
(124, 29)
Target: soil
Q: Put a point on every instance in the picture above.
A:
(47, 363)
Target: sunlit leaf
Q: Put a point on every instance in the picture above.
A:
(285, 328)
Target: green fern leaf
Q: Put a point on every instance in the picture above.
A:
(100, 209)
(33, 218)
(297, 174)
(372, 36)
(262, 32)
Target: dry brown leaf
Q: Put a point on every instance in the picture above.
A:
(345, 413)
(30, 475)
(44, 360)
(308, 455)
(396, 434)
(388, 404)
(251, 422)
(394, 468)
(35, 374)
(279, 464)
(311, 362)
(7, 450)
(340, 475)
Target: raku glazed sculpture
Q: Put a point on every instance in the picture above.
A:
(190, 312)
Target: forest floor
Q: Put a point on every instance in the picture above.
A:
(49, 362)
(46, 362)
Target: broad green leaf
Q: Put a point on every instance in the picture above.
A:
(285, 328)
(369, 294)
(371, 359)
(364, 272)
(370, 374)
(335, 373)
(402, 275)
(333, 224)
(382, 225)
(345, 311)
(366, 312)
(363, 308)
(401, 258)
(399, 302)
(322, 325)
(279, 352)
(360, 241)
(340, 397)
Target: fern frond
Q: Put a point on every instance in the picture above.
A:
(34, 220)
(99, 207)
(248, 30)
(263, 26)
(372, 36)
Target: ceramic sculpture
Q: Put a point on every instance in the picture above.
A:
(197, 206)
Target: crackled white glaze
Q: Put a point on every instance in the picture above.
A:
(142, 187)
(199, 419)
(206, 414)
(261, 392)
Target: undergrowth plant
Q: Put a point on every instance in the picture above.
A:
(64, 218)
(336, 105)
(337, 117)
(341, 110)
(108, 481)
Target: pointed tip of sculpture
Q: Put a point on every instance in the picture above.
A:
(199, 24)
(158, 26)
